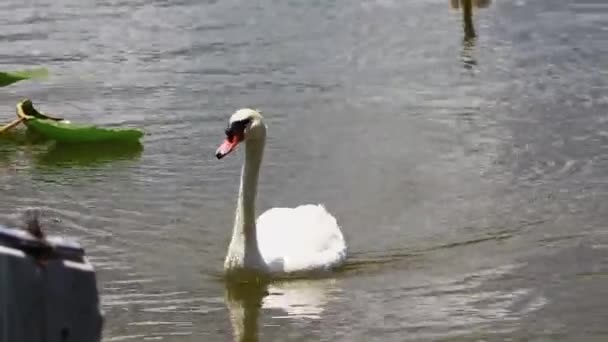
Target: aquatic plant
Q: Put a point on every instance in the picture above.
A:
(10, 77)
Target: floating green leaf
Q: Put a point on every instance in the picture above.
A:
(66, 132)
(7, 78)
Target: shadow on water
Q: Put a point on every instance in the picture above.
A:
(11, 143)
(90, 154)
(20, 137)
(468, 26)
(244, 301)
(298, 299)
(50, 154)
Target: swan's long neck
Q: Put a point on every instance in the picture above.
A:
(245, 210)
(243, 252)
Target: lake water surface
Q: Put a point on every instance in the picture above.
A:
(469, 175)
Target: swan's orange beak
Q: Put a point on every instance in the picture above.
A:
(229, 144)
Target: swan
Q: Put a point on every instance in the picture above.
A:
(282, 240)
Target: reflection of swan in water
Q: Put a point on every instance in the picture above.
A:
(468, 26)
(244, 301)
(300, 299)
(456, 4)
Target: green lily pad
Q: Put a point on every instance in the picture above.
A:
(10, 77)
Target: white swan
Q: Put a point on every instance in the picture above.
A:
(283, 240)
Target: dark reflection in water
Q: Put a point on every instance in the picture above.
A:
(90, 154)
(293, 300)
(18, 137)
(244, 302)
(468, 25)
(19, 142)
(50, 154)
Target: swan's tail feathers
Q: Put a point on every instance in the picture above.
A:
(305, 238)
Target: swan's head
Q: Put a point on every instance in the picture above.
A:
(244, 124)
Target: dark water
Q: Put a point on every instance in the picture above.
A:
(470, 174)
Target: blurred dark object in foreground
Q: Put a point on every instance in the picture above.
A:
(48, 289)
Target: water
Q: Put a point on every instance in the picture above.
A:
(469, 174)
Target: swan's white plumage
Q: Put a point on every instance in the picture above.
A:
(302, 239)
(282, 240)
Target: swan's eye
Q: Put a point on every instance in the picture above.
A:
(237, 128)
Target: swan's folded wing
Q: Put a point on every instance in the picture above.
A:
(304, 238)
